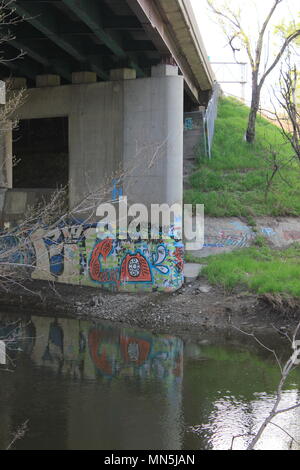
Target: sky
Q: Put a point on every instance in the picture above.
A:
(253, 14)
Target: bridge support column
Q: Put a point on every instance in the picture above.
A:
(153, 137)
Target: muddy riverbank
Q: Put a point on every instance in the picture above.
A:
(197, 306)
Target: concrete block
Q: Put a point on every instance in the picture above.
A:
(15, 202)
(122, 74)
(16, 83)
(192, 271)
(47, 80)
(79, 78)
(164, 70)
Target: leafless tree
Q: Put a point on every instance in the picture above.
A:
(18, 434)
(288, 117)
(285, 371)
(230, 20)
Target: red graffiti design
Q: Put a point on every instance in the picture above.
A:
(100, 360)
(143, 348)
(177, 371)
(103, 248)
(135, 268)
(179, 260)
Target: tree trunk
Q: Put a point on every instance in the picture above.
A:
(250, 134)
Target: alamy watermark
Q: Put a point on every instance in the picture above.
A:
(161, 221)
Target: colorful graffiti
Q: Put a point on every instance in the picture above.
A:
(103, 351)
(79, 254)
(229, 238)
(118, 352)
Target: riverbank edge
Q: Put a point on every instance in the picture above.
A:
(195, 307)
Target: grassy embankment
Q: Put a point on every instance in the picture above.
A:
(234, 183)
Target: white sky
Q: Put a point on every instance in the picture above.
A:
(253, 14)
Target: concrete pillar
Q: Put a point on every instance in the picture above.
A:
(153, 138)
(47, 80)
(79, 78)
(122, 74)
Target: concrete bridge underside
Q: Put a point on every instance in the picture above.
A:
(118, 73)
(106, 84)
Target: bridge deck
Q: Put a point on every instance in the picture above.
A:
(65, 36)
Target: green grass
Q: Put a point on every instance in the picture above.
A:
(233, 182)
(259, 268)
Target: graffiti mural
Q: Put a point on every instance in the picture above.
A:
(135, 353)
(79, 254)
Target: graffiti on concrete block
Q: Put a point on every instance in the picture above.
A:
(188, 124)
(229, 238)
(79, 254)
(268, 232)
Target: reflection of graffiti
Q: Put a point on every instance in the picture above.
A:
(134, 350)
(77, 254)
(86, 350)
(100, 346)
(117, 352)
(18, 335)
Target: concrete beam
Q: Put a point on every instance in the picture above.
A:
(23, 67)
(122, 74)
(59, 67)
(79, 78)
(122, 23)
(16, 83)
(42, 18)
(90, 13)
(165, 21)
(47, 80)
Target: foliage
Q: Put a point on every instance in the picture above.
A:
(233, 182)
(259, 268)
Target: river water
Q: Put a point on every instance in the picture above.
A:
(96, 385)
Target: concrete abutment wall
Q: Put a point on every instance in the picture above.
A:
(133, 126)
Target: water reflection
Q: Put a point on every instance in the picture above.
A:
(95, 385)
(114, 387)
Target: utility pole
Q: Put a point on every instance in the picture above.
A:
(226, 74)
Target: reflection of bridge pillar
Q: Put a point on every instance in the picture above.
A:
(5, 140)
(153, 137)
